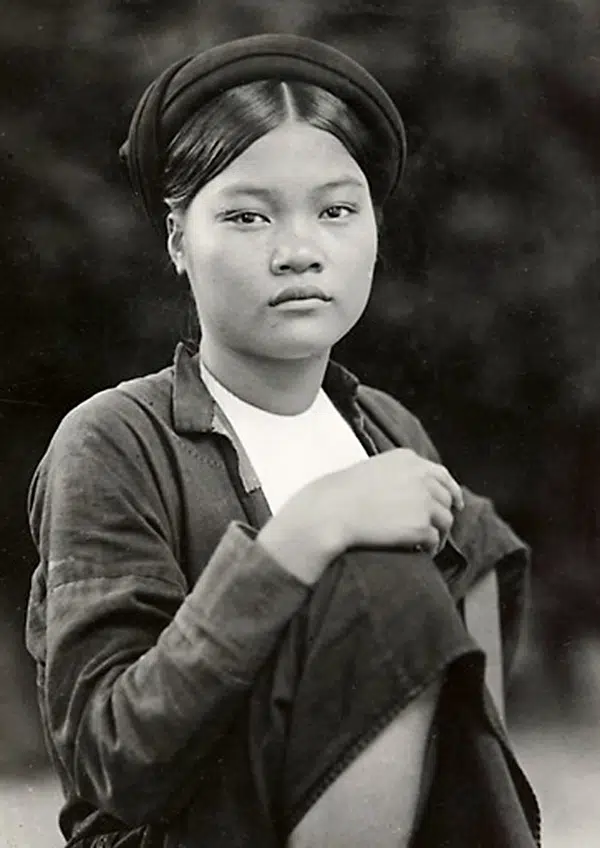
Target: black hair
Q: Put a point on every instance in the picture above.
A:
(228, 124)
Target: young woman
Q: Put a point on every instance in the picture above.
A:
(249, 613)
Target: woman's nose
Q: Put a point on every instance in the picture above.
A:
(296, 259)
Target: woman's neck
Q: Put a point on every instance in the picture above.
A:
(284, 387)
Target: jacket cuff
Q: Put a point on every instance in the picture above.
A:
(242, 601)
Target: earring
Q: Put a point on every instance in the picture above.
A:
(178, 264)
(174, 239)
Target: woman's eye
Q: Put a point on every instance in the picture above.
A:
(338, 211)
(246, 219)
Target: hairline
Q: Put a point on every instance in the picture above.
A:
(291, 114)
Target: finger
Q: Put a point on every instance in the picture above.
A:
(429, 541)
(440, 493)
(443, 476)
(442, 519)
(441, 525)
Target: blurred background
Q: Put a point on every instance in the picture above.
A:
(484, 319)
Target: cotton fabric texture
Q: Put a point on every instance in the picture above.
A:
(192, 691)
(186, 85)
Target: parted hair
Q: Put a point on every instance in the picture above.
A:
(227, 125)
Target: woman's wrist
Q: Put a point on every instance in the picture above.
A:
(304, 536)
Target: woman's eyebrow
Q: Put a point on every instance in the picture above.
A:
(252, 190)
(341, 182)
(271, 193)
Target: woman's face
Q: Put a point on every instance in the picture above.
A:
(280, 247)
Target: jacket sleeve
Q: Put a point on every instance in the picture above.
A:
(483, 538)
(140, 676)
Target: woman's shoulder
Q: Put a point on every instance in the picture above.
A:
(128, 407)
(383, 402)
(401, 425)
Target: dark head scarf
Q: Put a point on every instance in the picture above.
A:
(188, 84)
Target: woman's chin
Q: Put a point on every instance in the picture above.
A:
(302, 342)
(295, 349)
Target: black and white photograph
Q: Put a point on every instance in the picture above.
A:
(300, 424)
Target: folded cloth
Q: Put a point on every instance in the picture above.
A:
(388, 620)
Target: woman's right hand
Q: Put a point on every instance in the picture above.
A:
(395, 499)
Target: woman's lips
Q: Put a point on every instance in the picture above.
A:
(298, 293)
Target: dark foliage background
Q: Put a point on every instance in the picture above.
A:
(486, 311)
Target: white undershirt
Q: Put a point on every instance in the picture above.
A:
(289, 451)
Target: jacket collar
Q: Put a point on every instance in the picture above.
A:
(195, 411)
(193, 407)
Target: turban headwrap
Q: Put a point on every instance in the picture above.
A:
(176, 95)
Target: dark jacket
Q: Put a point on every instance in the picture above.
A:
(193, 692)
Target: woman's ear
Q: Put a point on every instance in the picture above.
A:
(175, 243)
